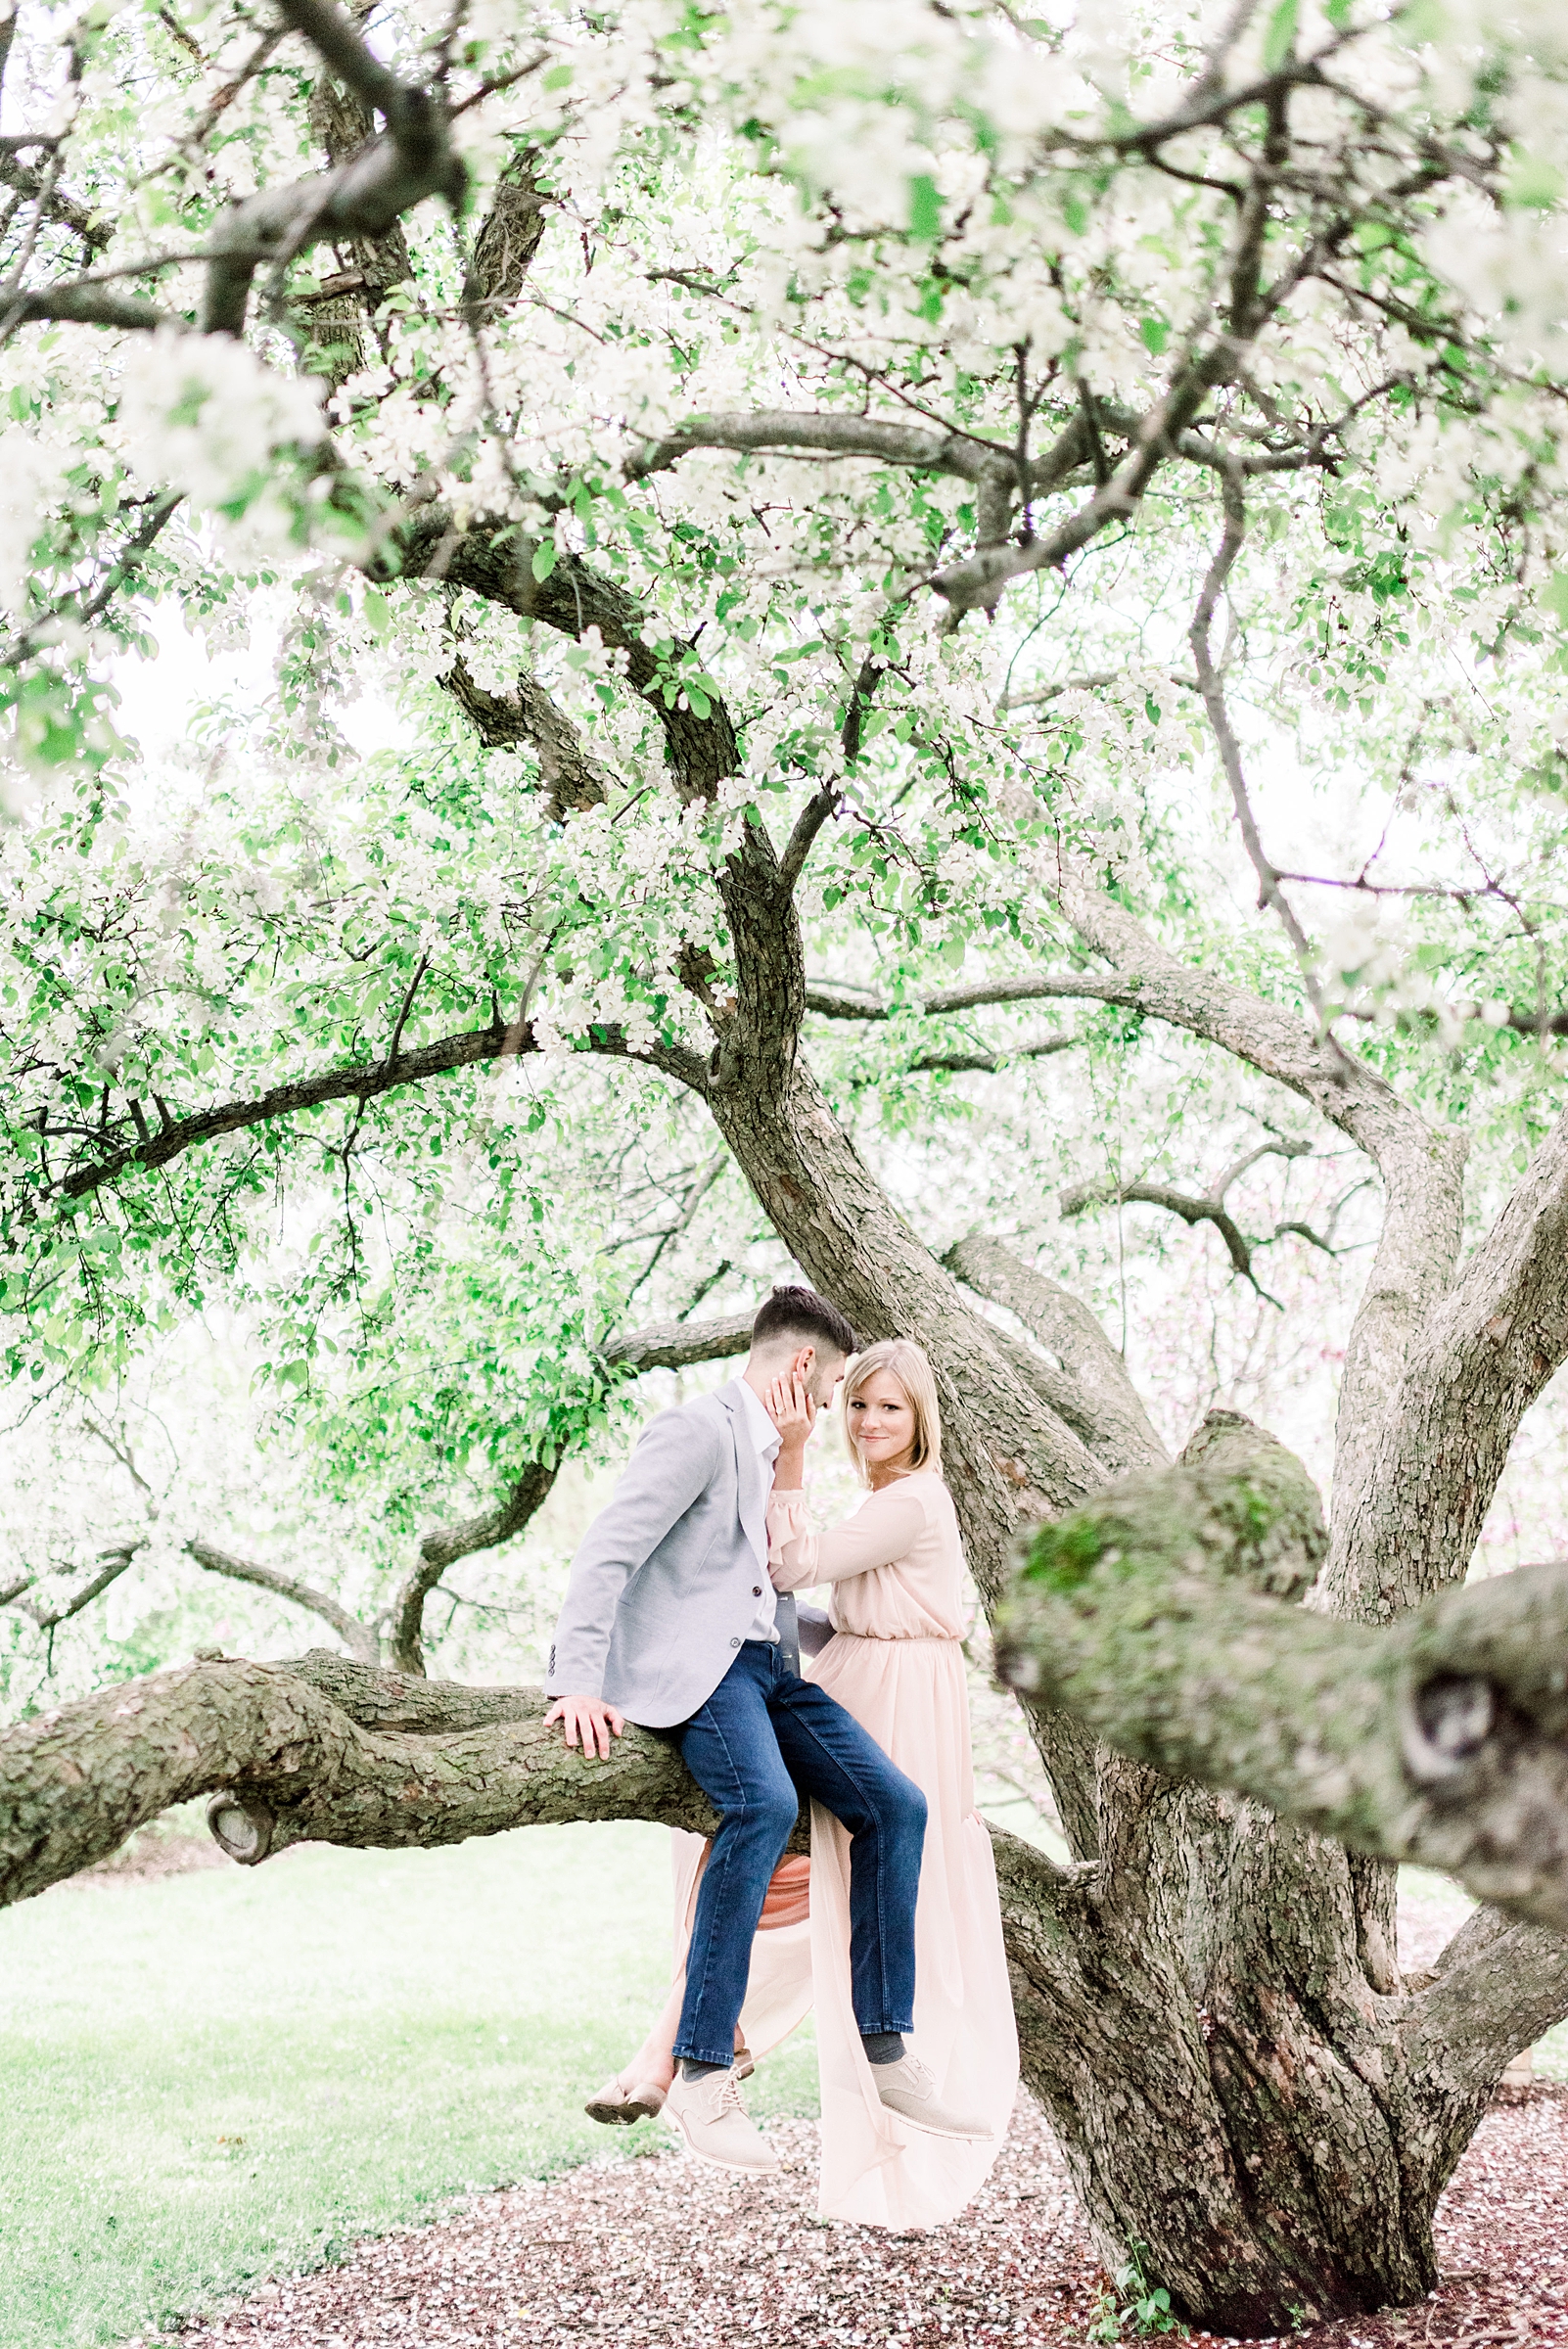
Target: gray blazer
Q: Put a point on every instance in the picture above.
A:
(665, 1587)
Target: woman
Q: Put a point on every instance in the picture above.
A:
(897, 1664)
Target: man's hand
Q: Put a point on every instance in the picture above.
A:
(589, 1723)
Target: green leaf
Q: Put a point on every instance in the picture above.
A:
(925, 207)
(543, 559)
(1535, 184)
(1156, 332)
(1554, 597)
(1281, 37)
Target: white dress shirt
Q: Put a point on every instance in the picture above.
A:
(766, 1437)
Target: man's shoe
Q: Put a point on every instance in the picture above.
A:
(712, 2122)
(908, 2088)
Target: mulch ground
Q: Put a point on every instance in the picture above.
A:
(664, 2253)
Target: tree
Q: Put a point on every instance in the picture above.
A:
(805, 337)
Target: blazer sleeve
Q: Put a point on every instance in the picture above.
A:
(675, 1460)
(879, 1534)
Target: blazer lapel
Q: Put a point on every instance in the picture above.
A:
(752, 1480)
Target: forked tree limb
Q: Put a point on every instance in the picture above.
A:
(1158, 1615)
(360, 1081)
(1496, 1987)
(661, 1346)
(448, 1544)
(837, 999)
(46, 1614)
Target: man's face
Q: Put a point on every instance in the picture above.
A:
(823, 1375)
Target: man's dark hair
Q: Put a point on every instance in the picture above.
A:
(803, 1313)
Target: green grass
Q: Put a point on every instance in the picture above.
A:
(228, 2074)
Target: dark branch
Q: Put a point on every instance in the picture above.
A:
(362, 1082)
(1206, 1207)
(359, 1640)
(114, 1563)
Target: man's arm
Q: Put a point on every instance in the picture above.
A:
(672, 1465)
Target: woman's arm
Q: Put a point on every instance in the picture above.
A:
(879, 1534)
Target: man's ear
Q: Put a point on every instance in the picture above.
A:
(800, 1367)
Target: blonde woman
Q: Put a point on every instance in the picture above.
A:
(896, 1663)
(896, 1572)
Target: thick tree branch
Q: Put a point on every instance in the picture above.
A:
(508, 239)
(528, 714)
(296, 1767)
(1157, 1616)
(1064, 1325)
(365, 197)
(676, 1345)
(491, 560)
(1421, 1165)
(904, 442)
(840, 999)
(1477, 1365)
(359, 1640)
(90, 305)
(363, 1080)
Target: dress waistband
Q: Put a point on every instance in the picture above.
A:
(906, 1639)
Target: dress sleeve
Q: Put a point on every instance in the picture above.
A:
(886, 1530)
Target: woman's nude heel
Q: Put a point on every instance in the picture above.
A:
(620, 2103)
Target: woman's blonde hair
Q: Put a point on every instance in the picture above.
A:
(906, 1361)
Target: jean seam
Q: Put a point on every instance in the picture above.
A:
(744, 1812)
(708, 1954)
(877, 1890)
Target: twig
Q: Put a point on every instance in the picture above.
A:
(1212, 690)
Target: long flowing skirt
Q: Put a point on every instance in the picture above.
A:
(912, 1697)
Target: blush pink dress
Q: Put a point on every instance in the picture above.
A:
(897, 1664)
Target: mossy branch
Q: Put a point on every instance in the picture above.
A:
(1164, 1616)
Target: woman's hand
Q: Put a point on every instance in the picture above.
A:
(794, 1414)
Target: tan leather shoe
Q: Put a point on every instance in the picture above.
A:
(908, 2088)
(621, 2102)
(712, 2123)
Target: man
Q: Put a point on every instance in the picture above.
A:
(670, 1621)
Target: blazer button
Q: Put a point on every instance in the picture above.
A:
(734, 1643)
(757, 1590)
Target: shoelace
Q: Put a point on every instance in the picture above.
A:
(729, 2098)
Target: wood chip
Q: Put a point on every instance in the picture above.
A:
(663, 2253)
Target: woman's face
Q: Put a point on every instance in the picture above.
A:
(882, 1423)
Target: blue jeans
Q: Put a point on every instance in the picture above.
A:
(763, 1739)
